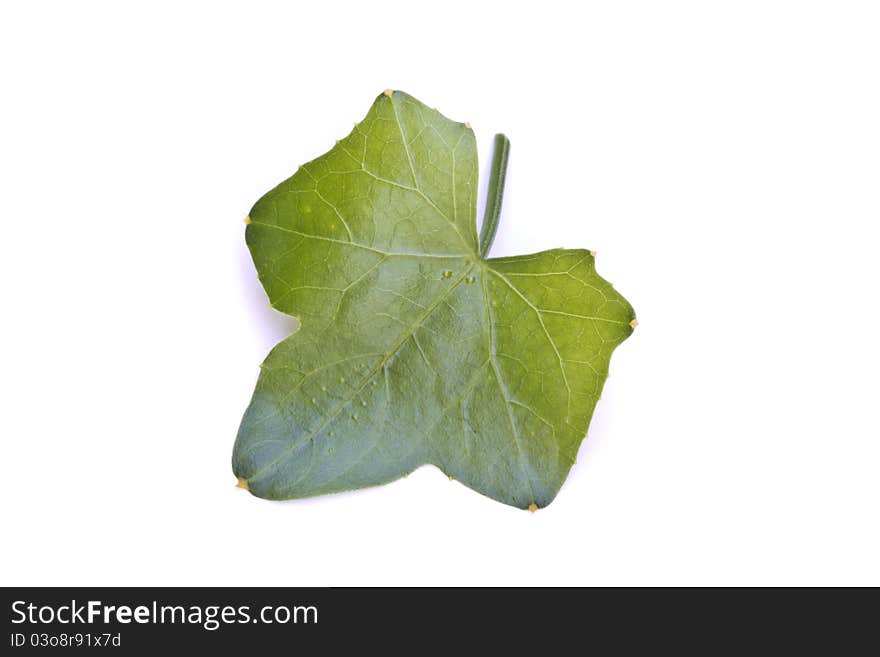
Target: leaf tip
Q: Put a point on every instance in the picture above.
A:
(242, 483)
(467, 125)
(247, 220)
(593, 253)
(532, 507)
(633, 323)
(389, 92)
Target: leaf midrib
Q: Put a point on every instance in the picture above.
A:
(365, 380)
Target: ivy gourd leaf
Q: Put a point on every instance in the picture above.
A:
(413, 348)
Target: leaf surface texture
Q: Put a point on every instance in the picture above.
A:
(412, 348)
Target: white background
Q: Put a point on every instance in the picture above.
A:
(723, 159)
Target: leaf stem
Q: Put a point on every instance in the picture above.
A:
(496, 193)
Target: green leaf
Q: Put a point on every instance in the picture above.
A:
(413, 348)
